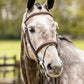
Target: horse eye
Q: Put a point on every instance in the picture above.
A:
(32, 29)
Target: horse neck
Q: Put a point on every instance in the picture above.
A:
(32, 70)
(36, 77)
(69, 53)
(65, 50)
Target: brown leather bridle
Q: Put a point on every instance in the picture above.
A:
(28, 40)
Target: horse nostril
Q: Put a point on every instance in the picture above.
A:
(49, 67)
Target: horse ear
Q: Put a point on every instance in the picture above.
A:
(30, 4)
(49, 4)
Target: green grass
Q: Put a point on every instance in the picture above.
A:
(9, 48)
(12, 47)
(79, 44)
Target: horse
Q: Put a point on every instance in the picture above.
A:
(45, 58)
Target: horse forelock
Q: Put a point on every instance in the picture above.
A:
(39, 6)
(64, 38)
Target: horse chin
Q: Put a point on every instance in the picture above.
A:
(52, 75)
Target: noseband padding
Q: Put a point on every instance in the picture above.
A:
(35, 14)
(45, 44)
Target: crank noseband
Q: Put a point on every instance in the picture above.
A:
(50, 42)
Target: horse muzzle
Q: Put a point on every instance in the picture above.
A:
(54, 71)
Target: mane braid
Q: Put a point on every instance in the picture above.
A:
(38, 5)
(64, 38)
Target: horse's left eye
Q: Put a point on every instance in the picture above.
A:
(32, 29)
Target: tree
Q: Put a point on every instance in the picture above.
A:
(68, 13)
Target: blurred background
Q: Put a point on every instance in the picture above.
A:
(68, 13)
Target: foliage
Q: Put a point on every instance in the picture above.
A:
(68, 13)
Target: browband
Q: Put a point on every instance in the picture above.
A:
(39, 13)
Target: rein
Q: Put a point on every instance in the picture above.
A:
(45, 44)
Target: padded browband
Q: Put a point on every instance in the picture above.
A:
(35, 14)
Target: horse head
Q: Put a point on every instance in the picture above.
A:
(40, 29)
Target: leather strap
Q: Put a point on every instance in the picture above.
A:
(45, 44)
(35, 14)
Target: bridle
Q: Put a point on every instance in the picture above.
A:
(49, 43)
(28, 40)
